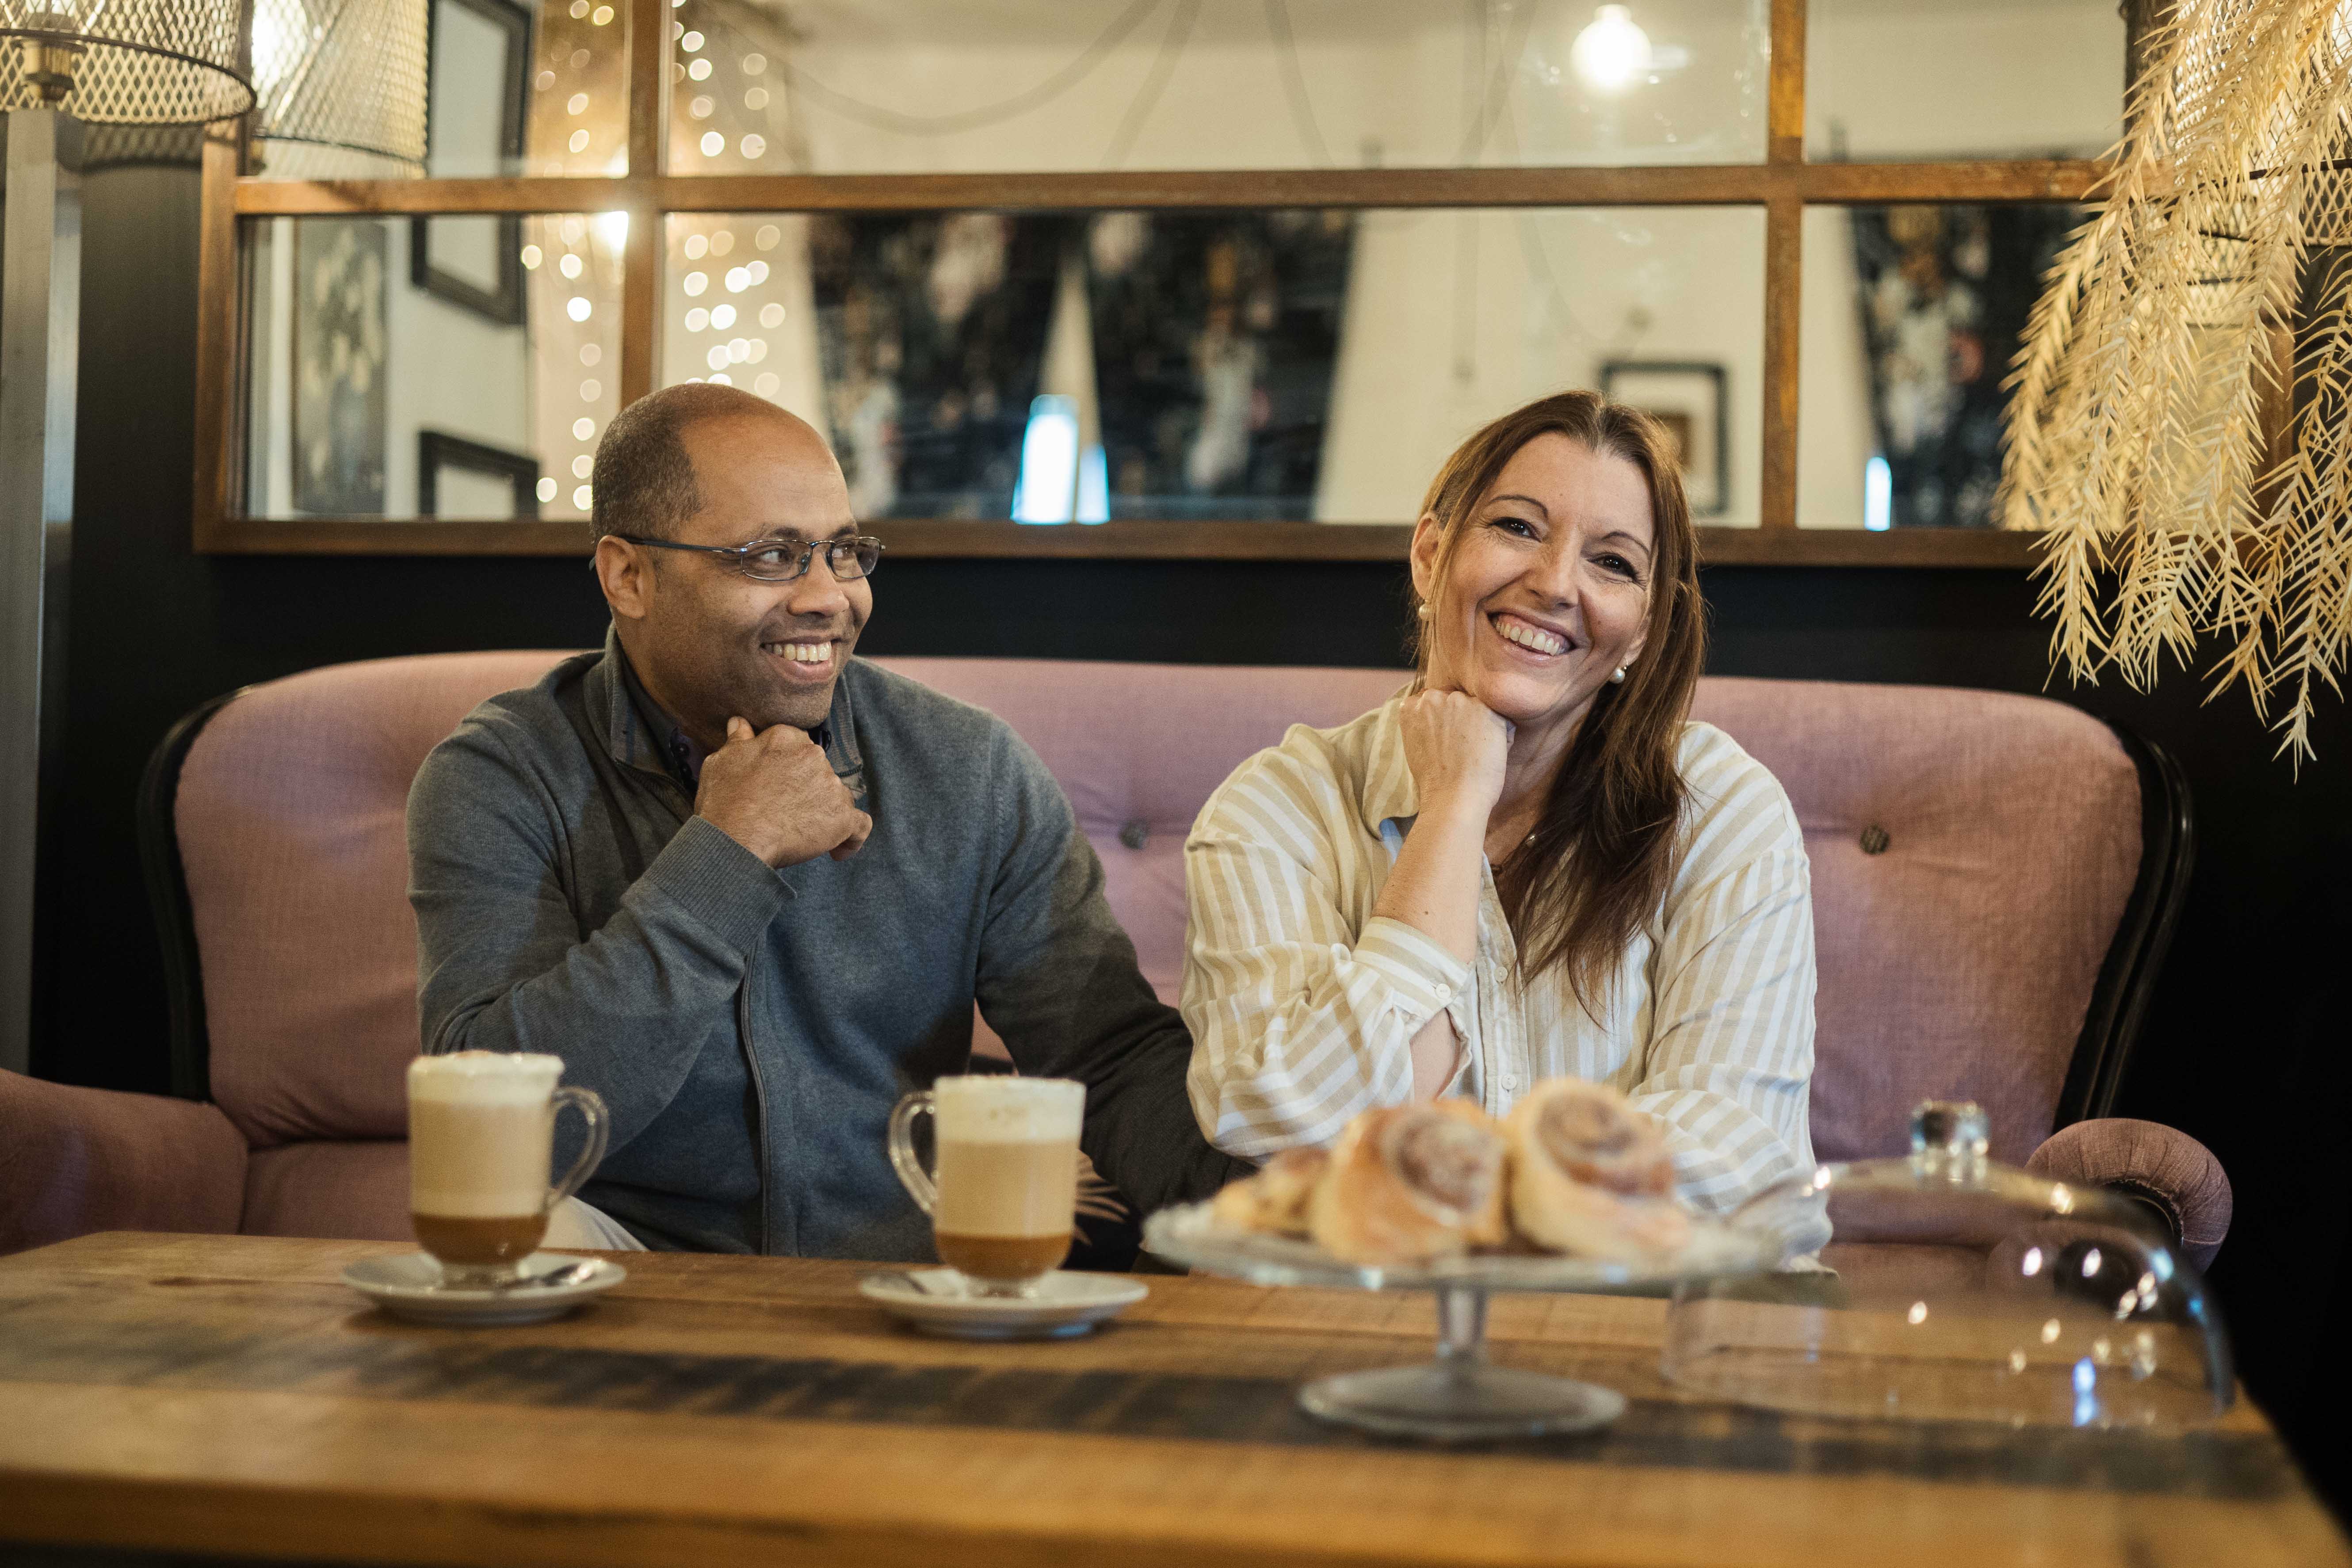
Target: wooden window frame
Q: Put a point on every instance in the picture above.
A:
(1783, 186)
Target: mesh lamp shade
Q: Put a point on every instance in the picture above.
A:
(124, 62)
(342, 87)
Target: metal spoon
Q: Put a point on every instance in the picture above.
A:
(569, 1274)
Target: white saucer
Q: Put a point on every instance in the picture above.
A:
(408, 1285)
(942, 1301)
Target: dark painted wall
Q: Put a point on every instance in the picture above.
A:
(2245, 1046)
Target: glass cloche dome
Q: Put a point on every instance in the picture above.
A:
(1957, 1289)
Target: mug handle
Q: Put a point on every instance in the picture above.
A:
(589, 1104)
(911, 1174)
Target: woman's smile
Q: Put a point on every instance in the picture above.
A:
(1526, 636)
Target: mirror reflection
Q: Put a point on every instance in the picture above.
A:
(900, 86)
(1263, 364)
(413, 367)
(1912, 316)
(1924, 79)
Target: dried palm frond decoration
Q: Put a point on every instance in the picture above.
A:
(2181, 422)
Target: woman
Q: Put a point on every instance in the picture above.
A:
(1528, 864)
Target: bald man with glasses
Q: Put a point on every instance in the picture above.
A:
(750, 887)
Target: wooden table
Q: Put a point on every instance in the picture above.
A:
(224, 1395)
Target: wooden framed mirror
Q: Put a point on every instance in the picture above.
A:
(1180, 278)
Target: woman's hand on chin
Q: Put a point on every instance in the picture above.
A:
(1456, 747)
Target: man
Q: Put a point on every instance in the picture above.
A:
(749, 886)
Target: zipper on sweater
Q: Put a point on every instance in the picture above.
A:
(760, 1099)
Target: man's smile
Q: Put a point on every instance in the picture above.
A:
(806, 659)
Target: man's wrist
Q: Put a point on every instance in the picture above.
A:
(766, 857)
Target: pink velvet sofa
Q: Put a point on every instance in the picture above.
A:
(1993, 878)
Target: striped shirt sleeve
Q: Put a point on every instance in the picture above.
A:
(1729, 1066)
(1298, 1020)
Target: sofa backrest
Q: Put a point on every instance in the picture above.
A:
(1972, 853)
(1139, 747)
(291, 815)
(1956, 956)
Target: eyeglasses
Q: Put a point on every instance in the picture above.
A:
(784, 559)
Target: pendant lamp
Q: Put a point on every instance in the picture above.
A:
(342, 87)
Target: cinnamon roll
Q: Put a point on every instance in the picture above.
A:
(1591, 1176)
(1274, 1200)
(1410, 1184)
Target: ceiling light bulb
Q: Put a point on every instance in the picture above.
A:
(1612, 52)
(273, 51)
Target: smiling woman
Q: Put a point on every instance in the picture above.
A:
(1529, 864)
(1554, 547)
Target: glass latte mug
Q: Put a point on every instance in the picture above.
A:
(481, 1135)
(1008, 1174)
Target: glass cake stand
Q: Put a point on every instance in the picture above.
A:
(1461, 1396)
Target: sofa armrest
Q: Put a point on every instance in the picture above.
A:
(74, 1160)
(2160, 1165)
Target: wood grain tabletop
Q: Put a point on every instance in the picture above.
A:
(227, 1395)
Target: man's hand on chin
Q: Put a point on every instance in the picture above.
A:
(773, 792)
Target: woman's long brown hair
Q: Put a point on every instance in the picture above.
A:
(1602, 853)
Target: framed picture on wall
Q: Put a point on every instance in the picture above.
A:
(478, 93)
(1216, 341)
(341, 343)
(1687, 398)
(932, 331)
(1945, 293)
(462, 479)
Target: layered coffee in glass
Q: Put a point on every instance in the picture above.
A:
(1007, 1182)
(481, 1134)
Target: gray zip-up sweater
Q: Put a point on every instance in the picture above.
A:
(750, 1028)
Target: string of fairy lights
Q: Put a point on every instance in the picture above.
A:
(578, 125)
(728, 289)
(710, 274)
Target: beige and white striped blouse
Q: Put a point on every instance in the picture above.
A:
(1302, 1003)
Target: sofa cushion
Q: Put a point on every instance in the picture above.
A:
(340, 1190)
(291, 815)
(74, 1160)
(1972, 853)
(1139, 747)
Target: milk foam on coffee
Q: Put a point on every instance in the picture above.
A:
(479, 1132)
(993, 1108)
(1008, 1153)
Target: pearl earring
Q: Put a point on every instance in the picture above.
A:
(1422, 612)
(1618, 679)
